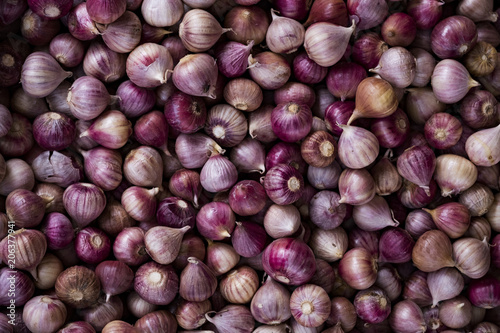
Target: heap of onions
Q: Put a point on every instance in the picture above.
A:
(249, 166)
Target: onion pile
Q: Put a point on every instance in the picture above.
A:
(249, 166)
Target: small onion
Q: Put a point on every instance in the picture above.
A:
(289, 261)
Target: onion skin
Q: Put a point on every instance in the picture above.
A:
(296, 268)
(453, 37)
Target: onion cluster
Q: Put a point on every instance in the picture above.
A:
(249, 166)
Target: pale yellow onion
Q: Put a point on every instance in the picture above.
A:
(375, 98)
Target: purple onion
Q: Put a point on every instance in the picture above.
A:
(51, 9)
(25, 208)
(294, 9)
(103, 63)
(453, 37)
(407, 317)
(58, 230)
(418, 222)
(88, 98)
(326, 211)
(248, 239)
(17, 287)
(367, 240)
(140, 203)
(368, 49)
(372, 305)
(106, 12)
(390, 281)
(324, 178)
(291, 121)
(479, 109)
(393, 130)
(19, 139)
(37, 30)
(417, 164)
(259, 124)
(92, 245)
(338, 113)
(306, 70)
(286, 153)
(60, 168)
(11, 11)
(426, 13)
(295, 92)
(185, 113)
(395, 246)
(442, 130)
(194, 150)
(417, 290)
(215, 221)
(343, 79)
(232, 58)
(484, 292)
(84, 202)
(247, 197)
(414, 196)
(283, 184)
(129, 246)
(77, 327)
(186, 184)
(134, 100)
(103, 167)
(197, 281)
(173, 44)
(174, 212)
(374, 215)
(151, 129)
(289, 261)
(157, 284)
(451, 81)
(67, 50)
(80, 25)
(163, 320)
(249, 156)
(218, 174)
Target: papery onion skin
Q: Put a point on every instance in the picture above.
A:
(451, 81)
(453, 37)
(289, 261)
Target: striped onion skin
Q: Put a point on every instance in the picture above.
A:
(239, 285)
